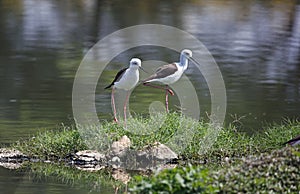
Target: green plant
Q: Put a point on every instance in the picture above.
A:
(179, 180)
(275, 172)
(52, 144)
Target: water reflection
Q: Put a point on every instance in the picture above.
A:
(14, 182)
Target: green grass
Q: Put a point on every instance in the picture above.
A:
(193, 140)
(234, 144)
(52, 144)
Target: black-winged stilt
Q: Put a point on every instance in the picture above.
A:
(125, 79)
(294, 141)
(169, 74)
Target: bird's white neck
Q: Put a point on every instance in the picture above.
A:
(184, 61)
(133, 68)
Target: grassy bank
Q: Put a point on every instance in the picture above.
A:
(52, 144)
(275, 172)
(235, 161)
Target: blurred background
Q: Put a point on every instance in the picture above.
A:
(255, 43)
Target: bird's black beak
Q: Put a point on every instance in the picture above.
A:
(193, 60)
(143, 69)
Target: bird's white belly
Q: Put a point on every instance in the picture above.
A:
(169, 79)
(128, 81)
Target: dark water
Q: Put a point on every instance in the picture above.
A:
(255, 43)
(17, 182)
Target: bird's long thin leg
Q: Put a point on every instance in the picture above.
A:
(167, 99)
(125, 107)
(113, 104)
(159, 87)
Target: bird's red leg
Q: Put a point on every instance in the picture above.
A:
(167, 99)
(159, 87)
(124, 108)
(113, 104)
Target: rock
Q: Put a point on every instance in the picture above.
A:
(115, 162)
(89, 160)
(158, 152)
(90, 167)
(152, 157)
(120, 147)
(12, 155)
(11, 158)
(162, 152)
(89, 156)
(120, 157)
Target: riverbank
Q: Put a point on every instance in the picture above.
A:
(236, 162)
(274, 172)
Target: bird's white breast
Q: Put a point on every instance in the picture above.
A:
(129, 79)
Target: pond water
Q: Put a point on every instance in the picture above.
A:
(17, 182)
(256, 45)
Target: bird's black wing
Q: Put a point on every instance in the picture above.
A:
(292, 140)
(117, 78)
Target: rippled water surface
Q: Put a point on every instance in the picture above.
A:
(15, 182)
(256, 45)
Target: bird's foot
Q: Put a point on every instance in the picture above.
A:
(167, 110)
(170, 92)
(116, 120)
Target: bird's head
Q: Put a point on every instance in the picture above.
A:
(135, 63)
(186, 52)
(185, 55)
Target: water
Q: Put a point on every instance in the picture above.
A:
(17, 182)
(255, 43)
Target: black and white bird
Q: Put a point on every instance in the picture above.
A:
(293, 142)
(125, 79)
(169, 74)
